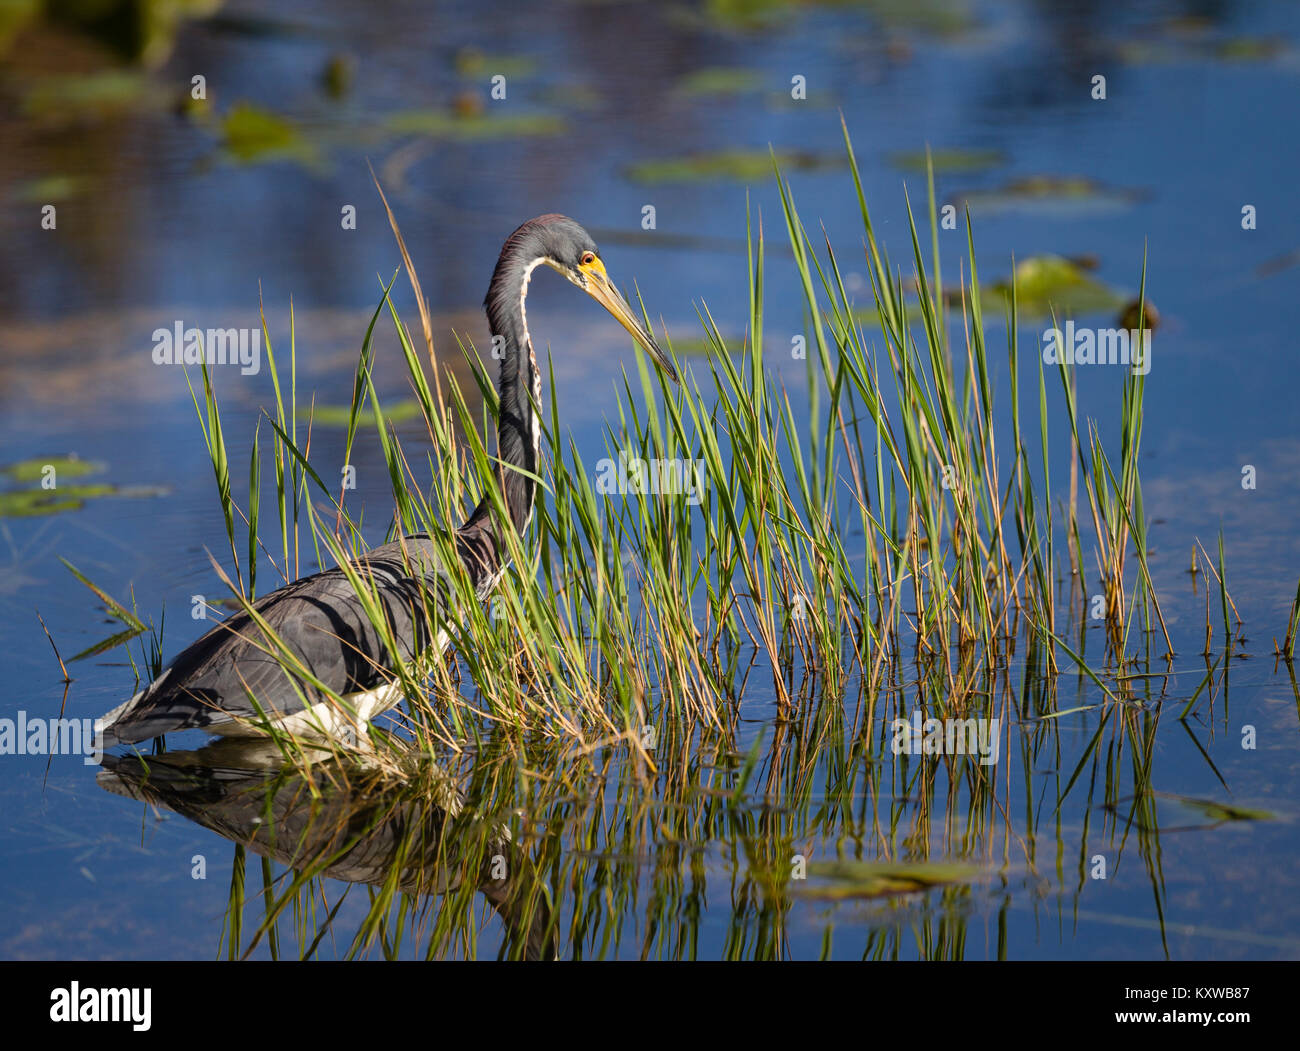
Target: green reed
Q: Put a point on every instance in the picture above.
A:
(604, 856)
(893, 540)
(890, 526)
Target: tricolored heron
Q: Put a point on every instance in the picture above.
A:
(213, 683)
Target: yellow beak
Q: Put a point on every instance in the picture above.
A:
(602, 290)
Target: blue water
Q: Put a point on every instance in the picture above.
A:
(163, 227)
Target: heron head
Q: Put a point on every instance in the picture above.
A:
(571, 250)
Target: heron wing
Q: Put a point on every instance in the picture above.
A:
(321, 621)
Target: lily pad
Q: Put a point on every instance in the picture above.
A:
(53, 188)
(718, 80)
(741, 165)
(34, 500)
(1049, 194)
(341, 415)
(934, 16)
(89, 95)
(1049, 282)
(26, 503)
(64, 467)
(439, 124)
(876, 879)
(1044, 284)
(953, 160)
(250, 134)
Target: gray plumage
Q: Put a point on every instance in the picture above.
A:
(321, 619)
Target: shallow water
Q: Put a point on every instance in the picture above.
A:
(155, 225)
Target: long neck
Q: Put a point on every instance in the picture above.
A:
(519, 389)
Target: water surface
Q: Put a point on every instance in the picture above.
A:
(162, 218)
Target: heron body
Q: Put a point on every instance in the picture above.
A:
(231, 678)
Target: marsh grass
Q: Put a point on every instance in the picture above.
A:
(894, 539)
(535, 848)
(886, 528)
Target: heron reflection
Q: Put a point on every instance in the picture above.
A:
(349, 821)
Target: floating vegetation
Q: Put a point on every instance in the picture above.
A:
(1050, 194)
(839, 880)
(1042, 285)
(70, 97)
(1048, 283)
(342, 415)
(1249, 49)
(26, 503)
(252, 135)
(51, 494)
(51, 188)
(740, 165)
(944, 17)
(471, 126)
(1243, 49)
(36, 469)
(719, 81)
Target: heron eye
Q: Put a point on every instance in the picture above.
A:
(588, 258)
